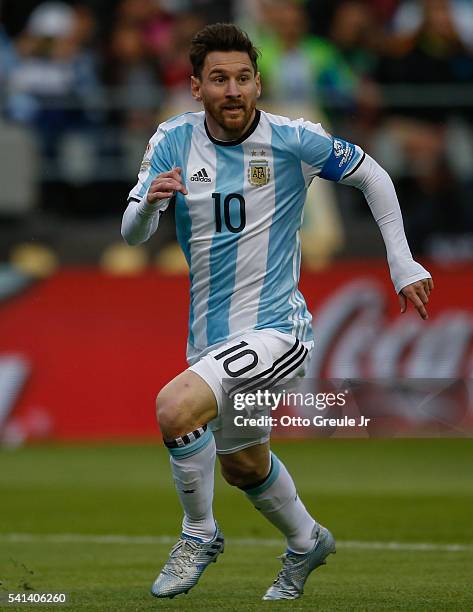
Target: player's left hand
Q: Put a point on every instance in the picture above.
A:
(418, 293)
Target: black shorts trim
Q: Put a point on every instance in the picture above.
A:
(285, 364)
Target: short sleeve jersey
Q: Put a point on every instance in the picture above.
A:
(239, 224)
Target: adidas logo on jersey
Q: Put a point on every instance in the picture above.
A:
(201, 176)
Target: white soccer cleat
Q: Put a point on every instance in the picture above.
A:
(290, 581)
(186, 563)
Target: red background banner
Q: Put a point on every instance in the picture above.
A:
(99, 347)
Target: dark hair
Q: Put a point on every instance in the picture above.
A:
(220, 37)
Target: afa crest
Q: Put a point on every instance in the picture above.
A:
(259, 172)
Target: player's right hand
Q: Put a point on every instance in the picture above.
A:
(165, 185)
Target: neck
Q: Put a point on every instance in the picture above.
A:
(220, 133)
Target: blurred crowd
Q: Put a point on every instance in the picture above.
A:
(91, 80)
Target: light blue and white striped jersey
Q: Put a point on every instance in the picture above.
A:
(239, 224)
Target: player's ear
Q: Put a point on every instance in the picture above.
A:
(195, 88)
(258, 84)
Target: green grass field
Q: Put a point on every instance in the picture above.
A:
(97, 522)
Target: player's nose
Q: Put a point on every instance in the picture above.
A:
(232, 89)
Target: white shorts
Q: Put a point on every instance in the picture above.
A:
(257, 358)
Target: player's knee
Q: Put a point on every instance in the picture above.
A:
(244, 473)
(173, 413)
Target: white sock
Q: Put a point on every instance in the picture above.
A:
(192, 467)
(276, 498)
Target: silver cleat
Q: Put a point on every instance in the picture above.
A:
(185, 565)
(290, 581)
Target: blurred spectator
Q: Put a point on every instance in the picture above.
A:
(320, 15)
(141, 34)
(175, 67)
(85, 28)
(436, 204)
(383, 9)
(54, 80)
(149, 49)
(434, 54)
(149, 60)
(408, 18)
(133, 74)
(356, 35)
(296, 65)
(147, 16)
(7, 58)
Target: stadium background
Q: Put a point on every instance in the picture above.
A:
(90, 329)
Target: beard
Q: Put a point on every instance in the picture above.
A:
(233, 117)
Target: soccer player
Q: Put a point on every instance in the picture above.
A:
(239, 178)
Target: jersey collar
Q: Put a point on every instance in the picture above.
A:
(243, 137)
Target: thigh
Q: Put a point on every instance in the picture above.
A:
(258, 359)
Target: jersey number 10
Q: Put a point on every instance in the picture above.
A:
(227, 202)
